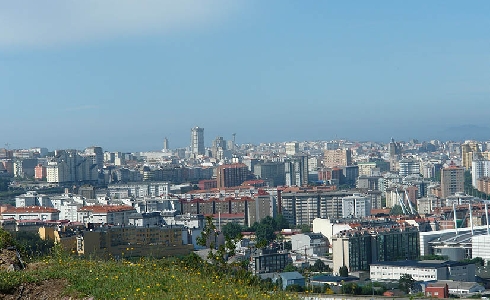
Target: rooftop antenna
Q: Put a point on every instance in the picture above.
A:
(471, 218)
(486, 215)
(455, 219)
(219, 221)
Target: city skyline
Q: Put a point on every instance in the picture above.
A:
(267, 71)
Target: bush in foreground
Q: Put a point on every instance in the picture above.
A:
(169, 278)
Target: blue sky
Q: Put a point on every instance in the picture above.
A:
(125, 74)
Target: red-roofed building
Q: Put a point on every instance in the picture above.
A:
(31, 213)
(437, 290)
(257, 183)
(105, 214)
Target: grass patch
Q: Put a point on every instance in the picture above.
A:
(146, 278)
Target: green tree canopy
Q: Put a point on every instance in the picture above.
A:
(396, 210)
(264, 232)
(6, 239)
(406, 283)
(281, 222)
(320, 266)
(343, 271)
(290, 268)
(305, 228)
(478, 261)
(31, 244)
(232, 230)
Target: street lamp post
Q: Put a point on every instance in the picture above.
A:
(372, 288)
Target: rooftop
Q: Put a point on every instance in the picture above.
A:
(30, 209)
(430, 264)
(106, 208)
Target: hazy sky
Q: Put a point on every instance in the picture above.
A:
(124, 74)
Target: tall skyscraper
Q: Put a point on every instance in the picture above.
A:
(470, 151)
(479, 168)
(165, 144)
(97, 155)
(292, 148)
(296, 170)
(409, 167)
(452, 180)
(337, 158)
(197, 141)
(218, 143)
(231, 175)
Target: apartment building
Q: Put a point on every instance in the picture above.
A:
(337, 158)
(357, 206)
(231, 175)
(30, 213)
(358, 248)
(303, 207)
(132, 241)
(452, 180)
(105, 214)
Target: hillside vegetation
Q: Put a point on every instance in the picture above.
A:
(60, 274)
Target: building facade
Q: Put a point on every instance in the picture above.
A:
(337, 158)
(452, 180)
(231, 175)
(197, 141)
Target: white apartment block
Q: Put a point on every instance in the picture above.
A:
(427, 270)
(357, 206)
(479, 169)
(31, 213)
(105, 214)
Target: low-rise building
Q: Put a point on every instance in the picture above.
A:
(310, 244)
(132, 241)
(290, 278)
(105, 214)
(437, 290)
(425, 270)
(269, 261)
(31, 213)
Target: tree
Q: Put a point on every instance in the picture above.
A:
(281, 222)
(406, 283)
(31, 244)
(304, 228)
(351, 288)
(290, 268)
(396, 210)
(4, 184)
(343, 271)
(294, 288)
(217, 255)
(269, 221)
(264, 232)
(6, 239)
(478, 261)
(232, 230)
(319, 266)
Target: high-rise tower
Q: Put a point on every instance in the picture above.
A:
(197, 141)
(452, 180)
